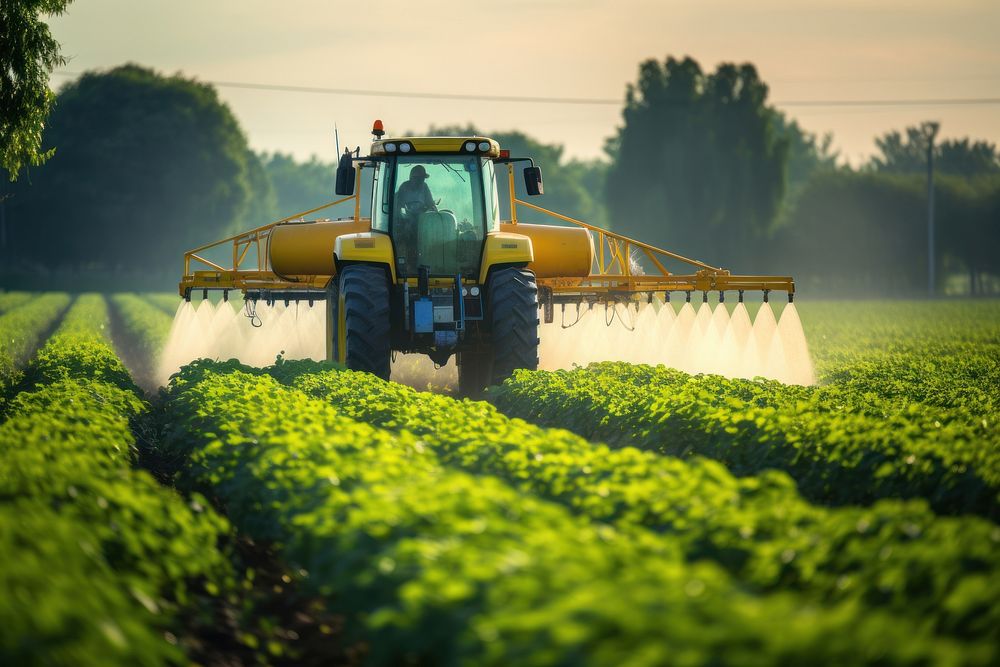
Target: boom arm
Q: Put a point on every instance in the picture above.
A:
(613, 278)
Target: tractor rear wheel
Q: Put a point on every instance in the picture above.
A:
(362, 336)
(512, 303)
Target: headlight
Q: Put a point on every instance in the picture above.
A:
(484, 145)
(390, 148)
(465, 292)
(405, 148)
(474, 291)
(470, 146)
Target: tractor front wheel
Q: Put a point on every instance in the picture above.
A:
(512, 300)
(362, 336)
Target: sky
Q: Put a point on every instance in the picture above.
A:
(805, 50)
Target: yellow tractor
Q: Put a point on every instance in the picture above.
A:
(435, 269)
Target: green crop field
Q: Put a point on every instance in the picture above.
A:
(614, 514)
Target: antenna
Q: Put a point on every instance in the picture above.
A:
(336, 135)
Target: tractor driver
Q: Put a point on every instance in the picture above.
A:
(414, 196)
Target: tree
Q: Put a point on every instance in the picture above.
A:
(298, 186)
(901, 153)
(148, 166)
(807, 153)
(851, 233)
(28, 54)
(968, 214)
(865, 232)
(698, 165)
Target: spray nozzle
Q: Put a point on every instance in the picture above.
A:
(791, 297)
(766, 293)
(722, 296)
(204, 294)
(741, 296)
(687, 297)
(704, 297)
(225, 295)
(649, 298)
(666, 297)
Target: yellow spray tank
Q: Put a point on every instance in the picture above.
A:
(306, 248)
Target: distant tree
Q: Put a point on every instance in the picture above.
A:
(148, 166)
(856, 233)
(900, 153)
(699, 166)
(968, 226)
(28, 54)
(572, 187)
(298, 186)
(865, 232)
(807, 153)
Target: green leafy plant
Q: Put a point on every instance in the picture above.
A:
(446, 567)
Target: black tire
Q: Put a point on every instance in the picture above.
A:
(512, 300)
(364, 296)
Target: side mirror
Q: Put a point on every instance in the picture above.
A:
(345, 176)
(533, 181)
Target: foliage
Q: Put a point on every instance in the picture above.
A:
(820, 239)
(908, 409)
(698, 164)
(907, 154)
(80, 348)
(148, 166)
(145, 328)
(28, 54)
(11, 300)
(62, 603)
(298, 186)
(840, 445)
(848, 332)
(21, 329)
(757, 527)
(143, 562)
(448, 568)
(165, 301)
(807, 153)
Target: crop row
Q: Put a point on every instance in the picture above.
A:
(11, 300)
(897, 555)
(145, 328)
(21, 330)
(164, 301)
(100, 561)
(846, 332)
(842, 445)
(448, 567)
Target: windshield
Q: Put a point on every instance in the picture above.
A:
(435, 207)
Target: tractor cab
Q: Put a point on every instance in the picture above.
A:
(435, 197)
(436, 208)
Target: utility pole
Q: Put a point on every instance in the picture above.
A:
(930, 130)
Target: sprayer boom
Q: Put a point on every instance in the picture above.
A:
(436, 271)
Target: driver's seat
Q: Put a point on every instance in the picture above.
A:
(437, 235)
